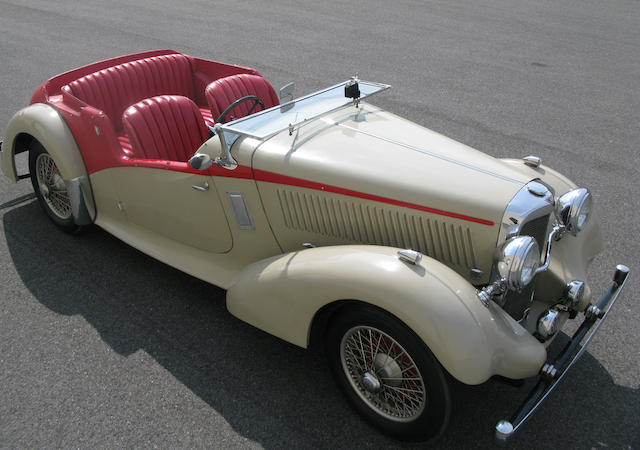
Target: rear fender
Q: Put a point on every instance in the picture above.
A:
(43, 123)
(281, 295)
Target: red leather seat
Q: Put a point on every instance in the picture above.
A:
(168, 127)
(112, 90)
(224, 91)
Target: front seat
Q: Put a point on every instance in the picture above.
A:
(167, 127)
(224, 91)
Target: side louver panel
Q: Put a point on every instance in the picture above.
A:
(355, 222)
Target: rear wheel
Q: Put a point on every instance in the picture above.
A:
(50, 188)
(388, 374)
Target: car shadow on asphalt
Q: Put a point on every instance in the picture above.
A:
(269, 391)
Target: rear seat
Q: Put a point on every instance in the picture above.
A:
(114, 89)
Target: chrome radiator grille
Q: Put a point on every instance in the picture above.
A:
(537, 228)
(368, 224)
(517, 303)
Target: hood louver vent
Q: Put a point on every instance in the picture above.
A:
(446, 241)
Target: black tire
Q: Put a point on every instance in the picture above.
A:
(53, 197)
(422, 380)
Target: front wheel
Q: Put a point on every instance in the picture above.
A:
(50, 188)
(388, 374)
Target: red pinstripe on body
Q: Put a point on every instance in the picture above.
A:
(271, 177)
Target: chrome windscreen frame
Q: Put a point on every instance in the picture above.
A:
(264, 124)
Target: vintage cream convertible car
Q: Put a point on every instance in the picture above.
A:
(329, 221)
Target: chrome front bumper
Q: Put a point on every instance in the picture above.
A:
(553, 371)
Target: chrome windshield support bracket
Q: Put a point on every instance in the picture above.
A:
(225, 159)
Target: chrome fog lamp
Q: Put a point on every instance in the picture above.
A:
(548, 324)
(520, 257)
(573, 209)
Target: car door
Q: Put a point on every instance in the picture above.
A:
(176, 204)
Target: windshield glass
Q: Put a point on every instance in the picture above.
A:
(266, 123)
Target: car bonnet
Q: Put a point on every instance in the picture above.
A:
(369, 151)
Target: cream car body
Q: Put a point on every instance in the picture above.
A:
(358, 183)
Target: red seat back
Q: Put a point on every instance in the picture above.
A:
(114, 89)
(168, 127)
(224, 91)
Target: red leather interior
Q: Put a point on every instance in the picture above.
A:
(92, 99)
(224, 91)
(112, 90)
(167, 127)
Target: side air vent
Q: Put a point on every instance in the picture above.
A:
(366, 224)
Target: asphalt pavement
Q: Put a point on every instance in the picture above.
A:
(102, 346)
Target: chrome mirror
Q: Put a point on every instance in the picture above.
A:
(287, 90)
(200, 161)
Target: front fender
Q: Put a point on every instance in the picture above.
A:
(42, 122)
(282, 294)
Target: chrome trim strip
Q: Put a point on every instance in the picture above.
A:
(523, 208)
(505, 429)
(427, 152)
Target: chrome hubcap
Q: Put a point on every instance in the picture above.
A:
(52, 187)
(382, 373)
(388, 369)
(371, 383)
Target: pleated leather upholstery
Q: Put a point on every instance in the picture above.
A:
(224, 91)
(168, 127)
(114, 89)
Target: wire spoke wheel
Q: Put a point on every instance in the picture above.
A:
(383, 373)
(388, 373)
(52, 187)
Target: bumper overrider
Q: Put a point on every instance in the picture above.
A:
(553, 371)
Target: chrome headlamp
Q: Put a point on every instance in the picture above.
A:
(519, 259)
(573, 209)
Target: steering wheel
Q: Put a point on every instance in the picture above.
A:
(256, 101)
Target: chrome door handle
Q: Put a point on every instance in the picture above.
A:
(204, 187)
